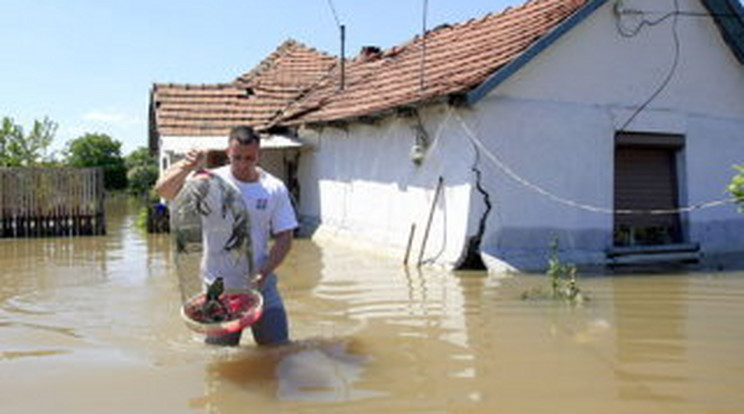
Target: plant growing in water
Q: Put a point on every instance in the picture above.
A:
(563, 285)
(736, 187)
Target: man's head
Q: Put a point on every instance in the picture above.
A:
(243, 152)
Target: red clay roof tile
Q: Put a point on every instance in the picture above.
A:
(456, 59)
(254, 98)
(296, 84)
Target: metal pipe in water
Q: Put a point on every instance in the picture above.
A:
(431, 216)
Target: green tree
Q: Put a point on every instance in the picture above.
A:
(99, 150)
(142, 170)
(20, 150)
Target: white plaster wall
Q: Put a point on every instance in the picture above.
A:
(593, 65)
(361, 185)
(549, 175)
(553, 123)
(714, 146)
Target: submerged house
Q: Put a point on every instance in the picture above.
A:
(608, 126)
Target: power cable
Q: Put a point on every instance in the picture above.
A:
(333, 11)
(423, 44)
(675, 60)
(342, 34)
(625, 32)
(501, 165)
(629, 33)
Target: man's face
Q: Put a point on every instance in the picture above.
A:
(243, 158)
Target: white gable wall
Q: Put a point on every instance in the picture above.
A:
(361, 185)
(594, 65)
(553, 124)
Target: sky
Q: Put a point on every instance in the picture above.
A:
(89, 65)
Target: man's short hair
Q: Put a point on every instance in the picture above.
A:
(245, 135)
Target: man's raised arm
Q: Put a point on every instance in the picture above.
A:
(170, 183)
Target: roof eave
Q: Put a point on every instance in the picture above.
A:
(729, 17)
(376, 115)
(503, 73)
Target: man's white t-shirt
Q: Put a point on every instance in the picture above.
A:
(269, 207)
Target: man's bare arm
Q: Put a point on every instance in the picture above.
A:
(279, 249)
(170, 183)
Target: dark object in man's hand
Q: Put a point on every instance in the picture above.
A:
(213, 309)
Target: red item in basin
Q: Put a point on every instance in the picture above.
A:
(244, 308)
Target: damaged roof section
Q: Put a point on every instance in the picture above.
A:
(466, 60)
(298, 85)
(448, 60)
(253, 99)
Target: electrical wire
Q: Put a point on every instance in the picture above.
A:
(423, 44)
(342, 33)
(625, 32)
(422, 137)
(501, 165)
(675, 60)
(333, 11)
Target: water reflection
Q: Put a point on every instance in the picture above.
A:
(650, 324)
(411, 321)
(318, 371)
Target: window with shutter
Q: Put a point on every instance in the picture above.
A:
(645, 182)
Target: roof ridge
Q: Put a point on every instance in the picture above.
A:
(220, 85)
(400, 48)
(270, 61)
(396, 49)
(267, 62)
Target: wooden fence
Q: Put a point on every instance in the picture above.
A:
(47, 202)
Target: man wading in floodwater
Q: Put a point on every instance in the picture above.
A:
(267, 201)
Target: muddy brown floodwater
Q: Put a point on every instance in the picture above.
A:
(91, 325)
